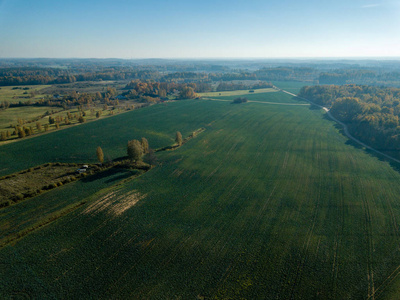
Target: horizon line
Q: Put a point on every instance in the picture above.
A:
(222, 58)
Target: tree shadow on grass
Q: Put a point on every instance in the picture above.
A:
(393, 164)
(124, 175)
(115, 174)
(350, 142)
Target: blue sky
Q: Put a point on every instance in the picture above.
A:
(199, 29)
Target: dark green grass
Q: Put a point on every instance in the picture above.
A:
(78, 144)
(33, 212)
(269, 202)
(276, 97)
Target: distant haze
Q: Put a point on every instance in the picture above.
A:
(202, 29)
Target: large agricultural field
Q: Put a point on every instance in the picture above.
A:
(269, 202)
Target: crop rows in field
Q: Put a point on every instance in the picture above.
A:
(272, 97)
(237, 92)
(78, 144)
(268, 202)
(26, 216)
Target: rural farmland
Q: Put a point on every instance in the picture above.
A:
(269, 202)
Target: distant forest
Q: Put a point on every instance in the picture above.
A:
(371, 113)
(35, 72)
(35, 76)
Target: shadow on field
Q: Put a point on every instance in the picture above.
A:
(393, 164)
(350, 142)
(123, 174)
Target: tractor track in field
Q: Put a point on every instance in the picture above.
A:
(379, 290)
(370, 244)
(306, 246)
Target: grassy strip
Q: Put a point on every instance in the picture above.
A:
(184, 141)
(63, 212)
(237, 92)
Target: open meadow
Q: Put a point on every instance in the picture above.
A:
(269, 202)
(16, 94)
(236, 93)
(269, 97)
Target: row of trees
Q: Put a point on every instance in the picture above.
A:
(371, 113)
(22, 131)
(136, 149)
(149, 91)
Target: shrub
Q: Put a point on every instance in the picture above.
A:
(18, 197)
(5, 203)
(239, 100)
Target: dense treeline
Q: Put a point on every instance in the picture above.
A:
(202, 74)
(285, 74)
(371, 113)
(148, 91)
(34, 76)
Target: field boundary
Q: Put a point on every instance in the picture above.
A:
(263, 102)
(184, 141)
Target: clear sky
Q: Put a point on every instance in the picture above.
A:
(199, 29)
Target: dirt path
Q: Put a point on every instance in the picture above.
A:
(345, 128)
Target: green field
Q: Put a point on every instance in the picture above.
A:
(31, 213)
(291, 86)
(12, 95)
(236, 93)
(271, 97)
(10, 116)
(78, 144)
(270, 202)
